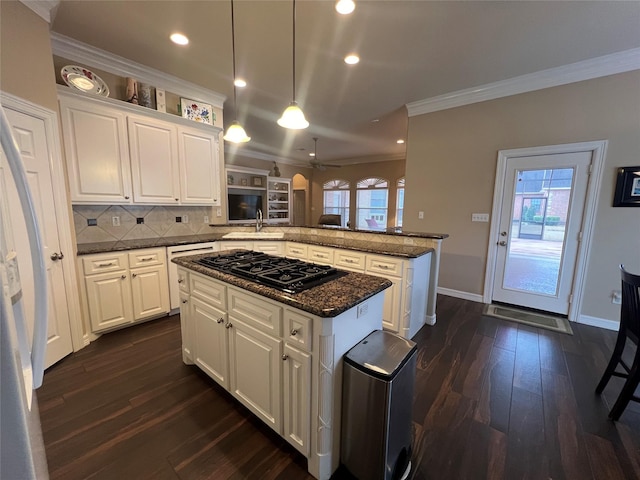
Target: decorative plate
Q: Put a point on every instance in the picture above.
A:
(197, 111)
(84, 80)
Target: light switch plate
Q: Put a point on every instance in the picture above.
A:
(479, 217)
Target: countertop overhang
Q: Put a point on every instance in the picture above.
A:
(327, 300)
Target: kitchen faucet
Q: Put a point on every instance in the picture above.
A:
(258, 220)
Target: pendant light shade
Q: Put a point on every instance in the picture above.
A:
(235, 133)
(293, 117)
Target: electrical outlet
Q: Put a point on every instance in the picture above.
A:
(115, 221)
(479, 217)
(363, 309)
(218, 212)
(185, 218)
(616, 297)
(206, 219)
(420, 215)
(408, 241)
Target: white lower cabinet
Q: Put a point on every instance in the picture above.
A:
(296, 374)
(210, 342)
(123, 288)
(255, 366)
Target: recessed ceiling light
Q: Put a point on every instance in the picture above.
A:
(312, 154)
(351, 59)
(238, 82)
(400, 141)
(179, 38)
(345, 7)
(375, 120)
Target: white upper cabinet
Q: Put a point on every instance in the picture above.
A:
(119, 153)
(95, 142)
(200, 167)
(154, 161)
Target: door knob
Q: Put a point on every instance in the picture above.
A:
(55, 256)
(502, 243)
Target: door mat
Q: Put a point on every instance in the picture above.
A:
(549, 322)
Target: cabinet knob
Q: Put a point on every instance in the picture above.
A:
(294, 332)
(228, 325)
(180, 280)
(55, 256)
(285, 356)
(134, 275)
(123, 277)
(184, 301)
(220, 320)
(176, 199)
(126, 197)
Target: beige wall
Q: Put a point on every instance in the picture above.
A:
(451, 162)
(26, 63)
(391, 171)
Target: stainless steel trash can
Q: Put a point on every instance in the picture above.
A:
(377, 398)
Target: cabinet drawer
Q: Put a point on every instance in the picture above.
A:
(110, 262)
(350, 260)
(386, 265)
(208, 290)
(297, 250)
(261, 314)
(183, 280)
(146, 258)
(322, 255)
(298, 329)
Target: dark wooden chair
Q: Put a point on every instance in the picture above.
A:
(330, 219)
(629, 329)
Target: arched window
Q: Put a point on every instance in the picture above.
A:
(372, 202)
(336, 199)
(399, 202)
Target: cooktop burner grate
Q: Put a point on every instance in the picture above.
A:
(287, 274)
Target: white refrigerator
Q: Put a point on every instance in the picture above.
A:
(22, 454)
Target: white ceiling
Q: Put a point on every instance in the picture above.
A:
(409, 50)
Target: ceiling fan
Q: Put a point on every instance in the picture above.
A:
(315, 163)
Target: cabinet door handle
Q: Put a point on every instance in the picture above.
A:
(294, 332)
(184, 301)
(228, 325)
(348, 260)
(105, 264)
(285, 356)
(123, 277)
(220, 320)
(134, 275)
(146, 259)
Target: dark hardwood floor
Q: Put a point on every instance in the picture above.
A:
(493, 399)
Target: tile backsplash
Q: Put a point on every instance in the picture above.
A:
(157, 221)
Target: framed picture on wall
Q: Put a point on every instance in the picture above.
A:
(627, 192)
(256, 182)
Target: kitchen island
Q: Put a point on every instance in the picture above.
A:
(278, 353)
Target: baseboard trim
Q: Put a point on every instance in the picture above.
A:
(599, 322)
(449, 292)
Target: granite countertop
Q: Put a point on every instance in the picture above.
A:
(396, 250)
(327, 300)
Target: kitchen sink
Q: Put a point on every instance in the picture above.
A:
(253, 235)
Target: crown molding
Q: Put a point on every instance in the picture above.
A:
(45, 9)
(248, 153)
(619, 62)
(71, 49)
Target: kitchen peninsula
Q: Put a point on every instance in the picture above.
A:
(278, 352)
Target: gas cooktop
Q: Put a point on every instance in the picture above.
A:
(286, 274)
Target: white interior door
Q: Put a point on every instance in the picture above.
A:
(541, 218)
(30, 135)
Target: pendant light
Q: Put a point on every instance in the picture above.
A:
(293, 118)
(235, 132)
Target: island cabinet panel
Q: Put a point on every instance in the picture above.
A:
(210, 291)
(296, 374)
(210, 342)
(251, 309)
(97, 154)
(255, 363)
(298, 329)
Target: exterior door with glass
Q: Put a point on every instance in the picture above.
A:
(541, 219)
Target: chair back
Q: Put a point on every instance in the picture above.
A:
(630, 311)
(330, 219)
